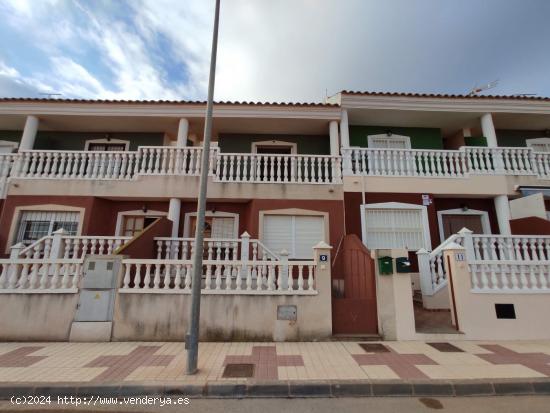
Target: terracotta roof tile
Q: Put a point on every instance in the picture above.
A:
(168, 102)
(444, 95)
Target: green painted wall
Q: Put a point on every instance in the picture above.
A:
(421, 138)
(475, 140)
(515, 137)
(75, 141)
(305, 144)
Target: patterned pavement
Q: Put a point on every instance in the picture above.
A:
(157, 362)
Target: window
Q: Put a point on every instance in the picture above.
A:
(134, 224)
(539, 144)
(106, 145)
(297, 234)
(215, 227)
(395, 225)
(34, 225)
(389, 141)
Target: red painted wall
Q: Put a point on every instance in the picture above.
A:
(353, 202)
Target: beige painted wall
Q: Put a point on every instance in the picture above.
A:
(475, 185)
(44, 317)
(394, 301)
(528, 206)
(476, 311)
(163, 187)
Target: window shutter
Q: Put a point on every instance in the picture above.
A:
(278, 233)
(296, 234)
(309, 230)
(394, 228)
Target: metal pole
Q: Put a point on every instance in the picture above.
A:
(192, 339)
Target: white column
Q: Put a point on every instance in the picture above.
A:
(344, 129)
(503, 214)
(488, 130)
(174, 215)
(29, 133)
(333, 133)
(183, 130)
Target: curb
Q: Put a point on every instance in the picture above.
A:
(285, 389)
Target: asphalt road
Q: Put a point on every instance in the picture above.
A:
(496, 404)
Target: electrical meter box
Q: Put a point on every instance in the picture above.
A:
(402, 265)
(98, 288)
(385, 265)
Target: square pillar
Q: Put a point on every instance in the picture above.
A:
(344, 129)
(333, 134)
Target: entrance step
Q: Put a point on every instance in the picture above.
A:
(356, 337)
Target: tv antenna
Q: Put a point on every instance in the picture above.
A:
(49, 95)
(476, 90)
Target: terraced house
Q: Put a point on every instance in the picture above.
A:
(408, 216)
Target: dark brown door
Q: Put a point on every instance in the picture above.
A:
(353, 289)
(454, 223)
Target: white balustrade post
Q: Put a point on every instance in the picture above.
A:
(322, 268)
(245, 246)
(346, 161)
(426, 282)
(58, 247)
(15, 269)
(282, 280)
(468, 244)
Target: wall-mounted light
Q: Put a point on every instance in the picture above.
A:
(389, 132)
(144, 208)
(464, 207)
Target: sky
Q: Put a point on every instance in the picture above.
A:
(271, 50)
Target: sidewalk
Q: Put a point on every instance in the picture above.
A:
(284, 369)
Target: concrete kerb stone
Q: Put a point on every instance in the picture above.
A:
(291, 389)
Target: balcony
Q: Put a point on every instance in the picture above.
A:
(446, 163)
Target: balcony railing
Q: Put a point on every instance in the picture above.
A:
(271, 168)
(445, 163)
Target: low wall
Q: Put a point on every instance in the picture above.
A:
(476, 312)
(39, 317)
(165, 317)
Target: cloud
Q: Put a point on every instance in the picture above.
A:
(271, 50)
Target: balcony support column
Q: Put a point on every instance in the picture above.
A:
(333, 134)
(183, 132)
(344, 129)
(174, 215)
(503, 214)
(29, 133)
(488, 130)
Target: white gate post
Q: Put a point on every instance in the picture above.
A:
(245, 246)
(426, 282)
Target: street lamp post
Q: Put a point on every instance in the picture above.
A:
(192, 338)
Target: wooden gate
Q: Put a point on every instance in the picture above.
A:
(353, 289)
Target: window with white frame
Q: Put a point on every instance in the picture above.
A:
(539, 144)
(389, 141)
(219, 227)
(395, 225)
(34, 225)
(297, 234)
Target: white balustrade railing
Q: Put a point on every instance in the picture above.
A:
(39, 275)
(445, 163)
(266, 168)
(485, 251)
(510, 276)
(120, 165)
(511, 247)
(60, 245)
(220, 277)
(214, 249)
